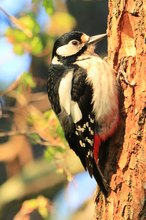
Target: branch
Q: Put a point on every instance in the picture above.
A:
(24, 132)
(18, 132)
(17, 23)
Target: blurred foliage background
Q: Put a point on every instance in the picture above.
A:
(35, 160)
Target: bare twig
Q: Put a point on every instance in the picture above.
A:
(17, 132)
(27, 133)
(17, 23)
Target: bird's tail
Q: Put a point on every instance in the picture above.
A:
(101, 181)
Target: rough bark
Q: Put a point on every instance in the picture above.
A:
(125, 167)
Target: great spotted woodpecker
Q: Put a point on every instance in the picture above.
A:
(83, 93)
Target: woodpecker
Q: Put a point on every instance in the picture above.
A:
(83, 93)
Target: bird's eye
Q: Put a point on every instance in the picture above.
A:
(75, 42)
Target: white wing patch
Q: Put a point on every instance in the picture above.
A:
(65, 92)
(75, 112)
(66, 103)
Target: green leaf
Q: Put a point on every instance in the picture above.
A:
(18, 48)
(17, 34)
(27, 80)
(51, 152)
(29, 22)
(25, 37)
(34, 138)
(47, 114)
(60, 131)
(36, 45)
(59, 149)
(49, 6)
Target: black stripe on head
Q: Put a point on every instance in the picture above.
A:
(65, 39)
(72, 58)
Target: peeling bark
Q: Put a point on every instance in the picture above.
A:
(125, 166)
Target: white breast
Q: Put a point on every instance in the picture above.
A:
(105, 95)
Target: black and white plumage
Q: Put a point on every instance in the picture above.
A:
(83, 93)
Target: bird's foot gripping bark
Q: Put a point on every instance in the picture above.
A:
(122, 75)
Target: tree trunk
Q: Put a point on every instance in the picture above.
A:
(125, 167)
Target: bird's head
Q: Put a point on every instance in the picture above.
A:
(71, 45)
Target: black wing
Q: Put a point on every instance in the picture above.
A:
(81, 139)
(55, 74)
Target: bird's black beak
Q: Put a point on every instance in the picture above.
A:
(96, 38)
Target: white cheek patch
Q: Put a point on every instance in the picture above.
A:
(67, 50)
(66, 103)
